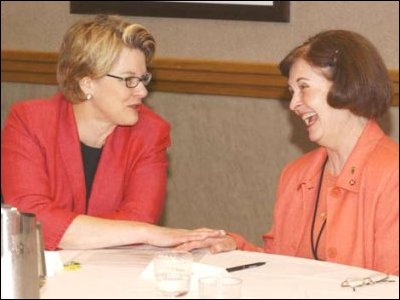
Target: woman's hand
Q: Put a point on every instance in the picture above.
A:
(216, 244)
(167, 237)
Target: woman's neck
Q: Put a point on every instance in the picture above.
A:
(92, 130)
(341, 148)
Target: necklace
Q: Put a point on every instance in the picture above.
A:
(314, 247)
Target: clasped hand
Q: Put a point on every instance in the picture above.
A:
(167, 237)
(215, 244)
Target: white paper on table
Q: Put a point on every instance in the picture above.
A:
(54, 263)
(198, 270)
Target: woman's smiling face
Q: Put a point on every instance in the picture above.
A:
(310, 88)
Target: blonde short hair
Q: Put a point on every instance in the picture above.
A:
(91, 47)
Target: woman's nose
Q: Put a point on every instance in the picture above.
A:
(141, 90)
(294, 102)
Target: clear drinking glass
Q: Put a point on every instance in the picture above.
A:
(173, 270)
(215, 287)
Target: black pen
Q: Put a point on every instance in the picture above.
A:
(243, 267)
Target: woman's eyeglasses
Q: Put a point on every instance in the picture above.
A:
(372, 279)
(133, 81)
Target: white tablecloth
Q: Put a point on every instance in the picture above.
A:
(114, 273)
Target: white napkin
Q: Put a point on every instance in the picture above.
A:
(198, 270)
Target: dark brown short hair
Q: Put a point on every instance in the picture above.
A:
(360, 79)
(92, 45)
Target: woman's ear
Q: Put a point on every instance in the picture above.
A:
(86, 85)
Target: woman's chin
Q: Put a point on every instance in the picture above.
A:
(314, 136)
(129, 120)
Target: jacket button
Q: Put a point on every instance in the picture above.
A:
(335, 192)
(332, 252)
(323, 216)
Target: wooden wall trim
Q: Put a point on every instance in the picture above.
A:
(191, 76)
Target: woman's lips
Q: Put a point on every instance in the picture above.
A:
(135, 106)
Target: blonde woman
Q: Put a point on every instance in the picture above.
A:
(90, 162)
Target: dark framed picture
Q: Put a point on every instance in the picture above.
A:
(268, 11)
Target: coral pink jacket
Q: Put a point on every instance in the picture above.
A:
(363, 209)
(42, 168)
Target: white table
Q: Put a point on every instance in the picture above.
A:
(114, 273)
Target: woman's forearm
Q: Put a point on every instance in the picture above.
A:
(87, 232)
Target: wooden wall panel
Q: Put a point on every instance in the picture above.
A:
(173, 75)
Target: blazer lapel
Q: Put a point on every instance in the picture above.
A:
(107, 188)
(69, 147)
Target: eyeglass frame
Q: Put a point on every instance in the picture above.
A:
(370, 280)
(139, 79)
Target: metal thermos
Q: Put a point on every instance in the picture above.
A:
(21, 251)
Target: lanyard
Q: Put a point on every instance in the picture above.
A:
(314, 246)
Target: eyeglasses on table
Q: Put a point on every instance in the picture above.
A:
(375, 278)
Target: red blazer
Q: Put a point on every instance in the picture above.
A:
(42, 168)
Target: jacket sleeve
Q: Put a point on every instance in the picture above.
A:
(269, 238)
(145, 186)
(243, 244)
(24, 179)
(386, 252)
